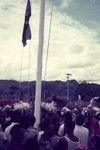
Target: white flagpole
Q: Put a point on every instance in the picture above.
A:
(39, 63)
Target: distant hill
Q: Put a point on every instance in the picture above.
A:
(10, 89)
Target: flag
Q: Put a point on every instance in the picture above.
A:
(26, 35)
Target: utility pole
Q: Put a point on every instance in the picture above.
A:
(68, 75)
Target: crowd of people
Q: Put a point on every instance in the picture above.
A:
(66, 128)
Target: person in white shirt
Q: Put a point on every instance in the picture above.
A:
(80, 131)
(73, 141)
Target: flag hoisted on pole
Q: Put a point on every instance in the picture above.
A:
(26, 29)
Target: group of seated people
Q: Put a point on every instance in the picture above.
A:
(57, 131)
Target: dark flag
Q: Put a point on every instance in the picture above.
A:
(26, 29)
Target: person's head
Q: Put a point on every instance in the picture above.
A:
(17, 132)
(16, 116)
(97, 102)
(31, 120)
(97, 116)
(67, 117)
(80, 119)
(54, 100)
(69, 127)
(24, 122)
(44, 124)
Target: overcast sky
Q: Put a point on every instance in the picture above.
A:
(74, 45)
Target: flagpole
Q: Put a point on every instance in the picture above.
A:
(39, 63)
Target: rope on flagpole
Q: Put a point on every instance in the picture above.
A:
(47, 52)
(29, 65)
(20, 74)
(49, 37)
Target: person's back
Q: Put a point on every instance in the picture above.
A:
(73, 141)
(95, 134)
(17, 138)
(31, 131)
(80, 131)
(31, 144)
(59, 143)
(62, 144)
(3, 144)
(95, 127)
(72, 145)
(47, 134)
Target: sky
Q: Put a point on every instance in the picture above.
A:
(74, 44)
